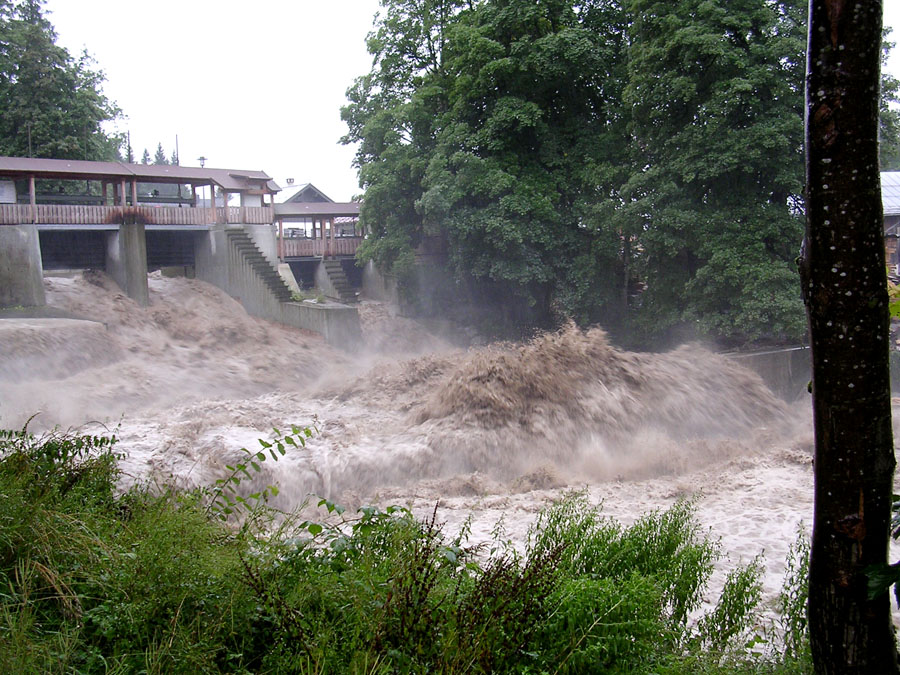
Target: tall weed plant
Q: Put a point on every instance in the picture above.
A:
(158, 581)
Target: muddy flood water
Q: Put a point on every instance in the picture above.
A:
(495, 432)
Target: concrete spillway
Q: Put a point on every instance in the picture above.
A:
(43, 348)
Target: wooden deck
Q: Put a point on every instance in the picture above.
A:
(67, 214)
(316, 248)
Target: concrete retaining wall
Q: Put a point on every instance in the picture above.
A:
(220, 263)
(377, 286)
(21, 272)
(211, 257)
(249, 288)
(339, 324)
(287, 276)
(785, 371)
(323, 283)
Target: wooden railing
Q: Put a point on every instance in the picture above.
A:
(311, 248)
(68, 214)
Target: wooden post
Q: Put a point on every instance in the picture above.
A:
(103, 190)
(193, 196)
(281, 240)
(122, 196)
(331, 225)
(212, 202)
(320, 238)
(134, 197)
(32, 196)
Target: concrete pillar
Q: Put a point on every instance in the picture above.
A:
(126, 261)
(211, 261)
(21, 270)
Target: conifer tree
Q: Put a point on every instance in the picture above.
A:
(52, 104)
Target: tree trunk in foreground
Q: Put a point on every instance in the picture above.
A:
(845, 290)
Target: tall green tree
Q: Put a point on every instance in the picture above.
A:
(480, 123)
(715, 93)
(527, 148)
(53, 104)
(889, 113)
(392, 113)
(570, 154)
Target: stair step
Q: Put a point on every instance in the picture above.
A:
(251, 254)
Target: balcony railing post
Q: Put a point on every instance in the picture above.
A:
(32, 196)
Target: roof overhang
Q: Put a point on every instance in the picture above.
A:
(64, 169)
(317, 209)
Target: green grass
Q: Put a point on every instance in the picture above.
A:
(92, 580)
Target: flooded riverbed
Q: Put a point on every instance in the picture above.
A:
(494, 433)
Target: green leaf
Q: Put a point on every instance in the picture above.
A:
(314, 529)
(264, 443)
(881, 577)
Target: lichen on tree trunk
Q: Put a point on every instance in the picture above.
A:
(845, 289)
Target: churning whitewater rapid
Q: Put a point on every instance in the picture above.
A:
(495, 432)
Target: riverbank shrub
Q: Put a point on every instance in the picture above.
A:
(93, 579)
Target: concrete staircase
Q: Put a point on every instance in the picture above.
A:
(242, 243)
(339, 281)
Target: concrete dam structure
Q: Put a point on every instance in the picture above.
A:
(146, 217)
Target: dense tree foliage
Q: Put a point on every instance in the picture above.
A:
(715, 93)
(889, 112)
(571, 154)
(52, 104)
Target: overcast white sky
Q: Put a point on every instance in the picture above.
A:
(249, 85)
